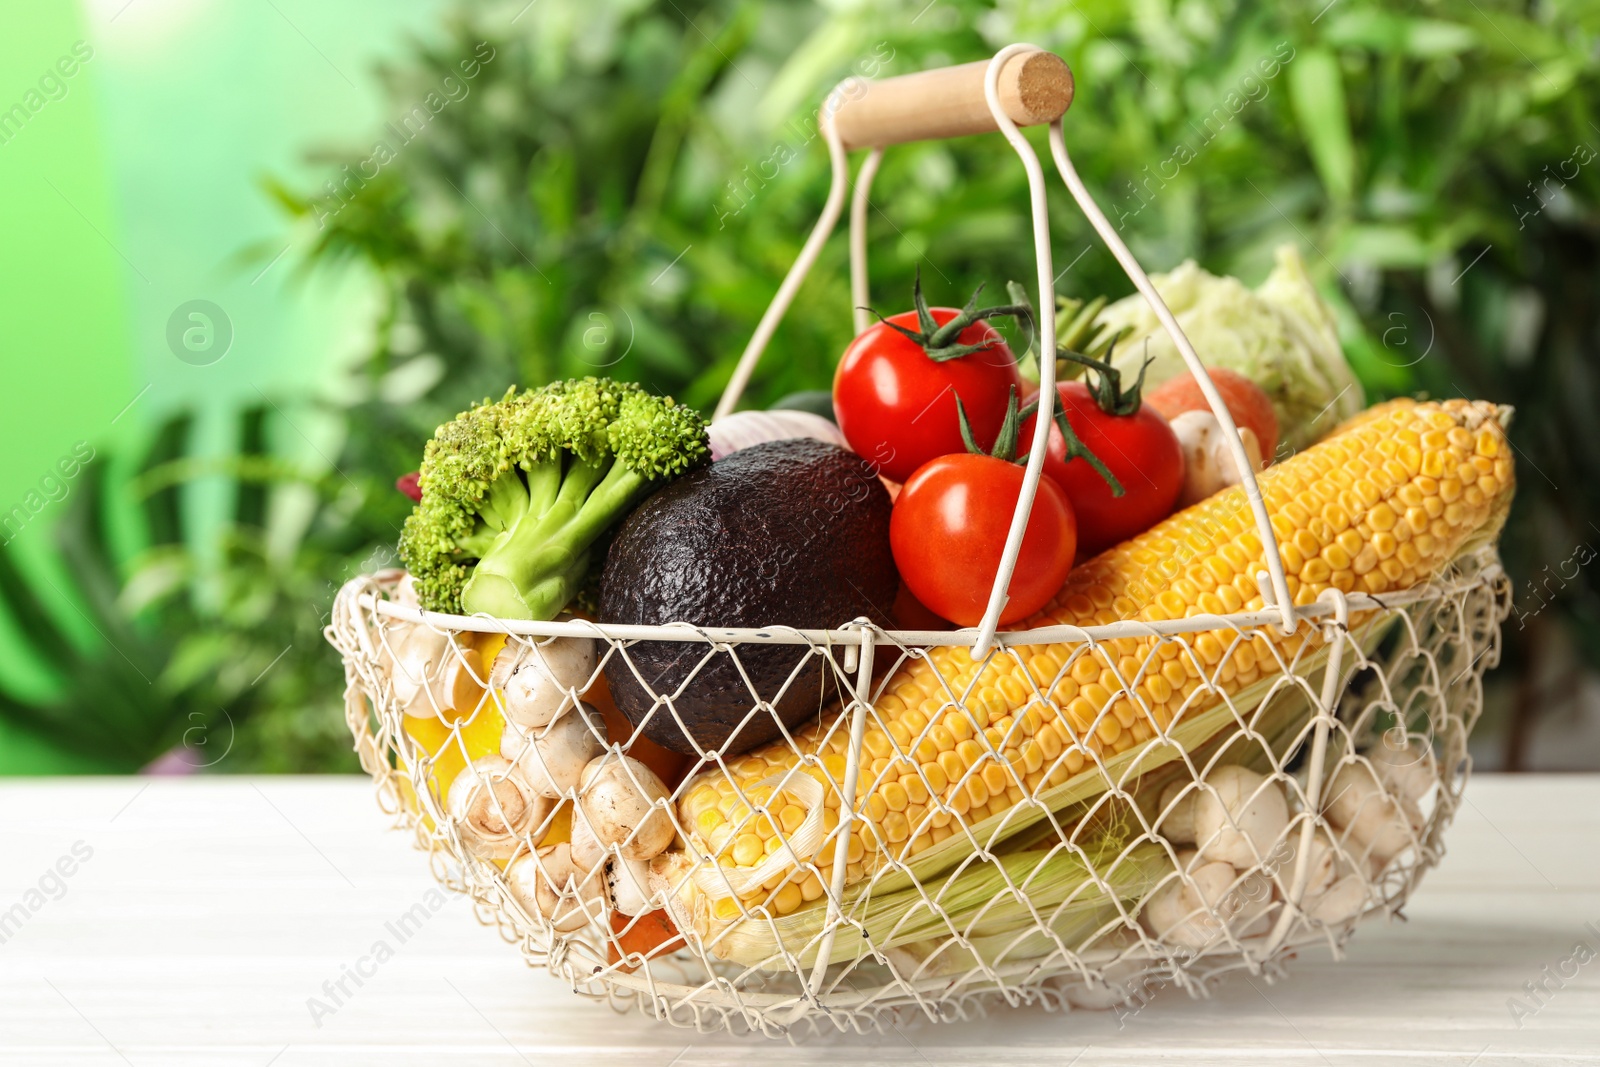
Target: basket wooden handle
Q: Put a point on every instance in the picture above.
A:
(1035, 88)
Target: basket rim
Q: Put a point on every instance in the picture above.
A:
(861, 630)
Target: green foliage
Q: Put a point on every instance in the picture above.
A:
(624, 186)
(210, 660)
(631, 196)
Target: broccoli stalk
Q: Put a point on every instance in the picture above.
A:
(515, 493)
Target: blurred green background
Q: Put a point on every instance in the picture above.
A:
(618, 185)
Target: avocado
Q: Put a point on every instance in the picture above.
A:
(786, 533)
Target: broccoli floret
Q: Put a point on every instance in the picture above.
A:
(516, 492)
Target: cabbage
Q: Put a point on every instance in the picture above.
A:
(1281, 335)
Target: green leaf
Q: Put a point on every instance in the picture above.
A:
(1316, 89)
(1384, 246)
(1388, 32)
(1431, 38)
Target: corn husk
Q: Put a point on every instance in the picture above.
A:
(1274, 708)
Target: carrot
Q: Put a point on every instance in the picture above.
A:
(642, 937)
(668, 765)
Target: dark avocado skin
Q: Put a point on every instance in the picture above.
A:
(786, 533)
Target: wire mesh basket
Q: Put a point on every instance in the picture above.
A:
(1221, 743)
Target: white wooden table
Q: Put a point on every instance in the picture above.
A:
(211, 910)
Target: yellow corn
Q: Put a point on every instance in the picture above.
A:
(1382, 505)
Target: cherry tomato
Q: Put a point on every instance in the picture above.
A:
(897, 405)
(948, 533)
(1139, 449)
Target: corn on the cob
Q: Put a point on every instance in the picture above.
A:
(1383, 505)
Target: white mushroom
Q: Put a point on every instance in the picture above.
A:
(1323, 864)
(1377, 823)
(1208, 465)
(1239, 816)
(587, 851)
(1219, 901)
(1119, 982)
(1251, 904)
(1176, 814)
(629, 884)
(1406, 767)
(405, 592)
(1342, 901)
(550, 885)
(1334, 892)
(414, 655)
(626, 805)
(493, 807)
(553, 758)
(1189, 913)
(542, 681)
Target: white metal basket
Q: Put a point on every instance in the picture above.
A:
(1073, 883)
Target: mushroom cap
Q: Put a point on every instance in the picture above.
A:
(1208, 463)
(1376, 823)
(587, 851)
(547, 883)
(404, 592)
(1189, 912)
(1407, 767)
(1323, 863)
(1341, 902)
(1176, 814)
(1240, 816)
(626, 805)
(1119, 982)
(542, 680)
(417, 658)
(553, 758)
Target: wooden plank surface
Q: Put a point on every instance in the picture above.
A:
(209, 911)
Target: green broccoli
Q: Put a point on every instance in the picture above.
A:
(515, 493)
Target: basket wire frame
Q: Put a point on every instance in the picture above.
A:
(1370, 683)
(1372, 695)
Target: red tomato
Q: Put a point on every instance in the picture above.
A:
(1247, 402)
(897, 406)
(1139, 449)
(948, 532)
